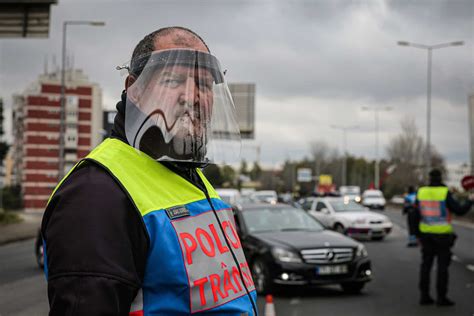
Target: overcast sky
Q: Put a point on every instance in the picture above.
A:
(314, 63)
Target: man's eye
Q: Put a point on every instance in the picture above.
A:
(170, 82)
(205, 85)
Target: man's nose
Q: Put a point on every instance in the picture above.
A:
(190, 94)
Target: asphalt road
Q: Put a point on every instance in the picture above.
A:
(392, 292)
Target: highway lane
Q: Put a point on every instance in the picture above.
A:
(392, 292)
(22, 283)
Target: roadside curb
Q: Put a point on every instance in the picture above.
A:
(27, 229)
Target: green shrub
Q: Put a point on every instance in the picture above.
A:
(9, 218)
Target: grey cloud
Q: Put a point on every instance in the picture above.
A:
(339, 51)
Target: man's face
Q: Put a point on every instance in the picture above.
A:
(179, 99)
(174, 93)
(182, 96)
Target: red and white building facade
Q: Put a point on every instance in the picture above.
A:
(36, 132)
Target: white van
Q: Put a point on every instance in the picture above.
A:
(373, 199)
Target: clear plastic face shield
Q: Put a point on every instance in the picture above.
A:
(179, 108)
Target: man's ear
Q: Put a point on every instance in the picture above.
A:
(133, 91)
(129, 81)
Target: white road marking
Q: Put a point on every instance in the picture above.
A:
(455, 258)
(295, 301)
(470, 267)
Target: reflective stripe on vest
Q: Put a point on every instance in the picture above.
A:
(190, 268)
(435, 216)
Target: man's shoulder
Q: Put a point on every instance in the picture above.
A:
(89, 175)
(87, 182)
(89, 191)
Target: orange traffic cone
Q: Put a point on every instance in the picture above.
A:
(269, 307)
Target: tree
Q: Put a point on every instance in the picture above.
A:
(320, 152)
(256, 172)
(244, 167)
(407, 151)
(408, 146)
(3, 145)
(12, 198)
(3, 150)
(213, 174)
(228, 175)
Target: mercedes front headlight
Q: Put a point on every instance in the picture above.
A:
(284, 255)
(361, 251)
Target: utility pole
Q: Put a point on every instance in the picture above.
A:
(344, 130)
(376, 110)
(62, 110)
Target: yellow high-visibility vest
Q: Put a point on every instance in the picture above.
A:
(195, 262)
(435, 215)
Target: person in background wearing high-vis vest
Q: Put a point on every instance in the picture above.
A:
(135, 228)
(435, 205)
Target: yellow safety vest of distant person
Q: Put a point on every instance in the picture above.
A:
(435, 215)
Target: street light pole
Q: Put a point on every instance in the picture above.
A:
(344, 145)
(429, 49)
(62, 109)
(377, 165)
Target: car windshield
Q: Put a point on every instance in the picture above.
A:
(346, 206)
(269, 219)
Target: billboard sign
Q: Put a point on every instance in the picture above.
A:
(304, 175)
(243, 95)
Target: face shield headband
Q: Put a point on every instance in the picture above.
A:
(179, 108)
(187, 58)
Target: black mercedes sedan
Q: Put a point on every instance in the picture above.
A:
(286, 246)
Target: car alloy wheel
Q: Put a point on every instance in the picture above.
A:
(260, 277)
(339, 228)
(39, 252)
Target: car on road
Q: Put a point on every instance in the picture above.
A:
(286, 247)
(348, 217)
(397, 200)
(265, 196)
(230, 196)
(373, 199)
(351, 192)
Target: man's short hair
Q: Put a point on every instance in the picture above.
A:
(436, 176)
(146, 46)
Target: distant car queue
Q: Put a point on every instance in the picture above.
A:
(309, 241)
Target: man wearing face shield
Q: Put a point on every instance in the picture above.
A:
(135, 228)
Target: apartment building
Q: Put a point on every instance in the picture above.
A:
(36, 124)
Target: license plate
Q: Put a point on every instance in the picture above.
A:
(326, 270)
